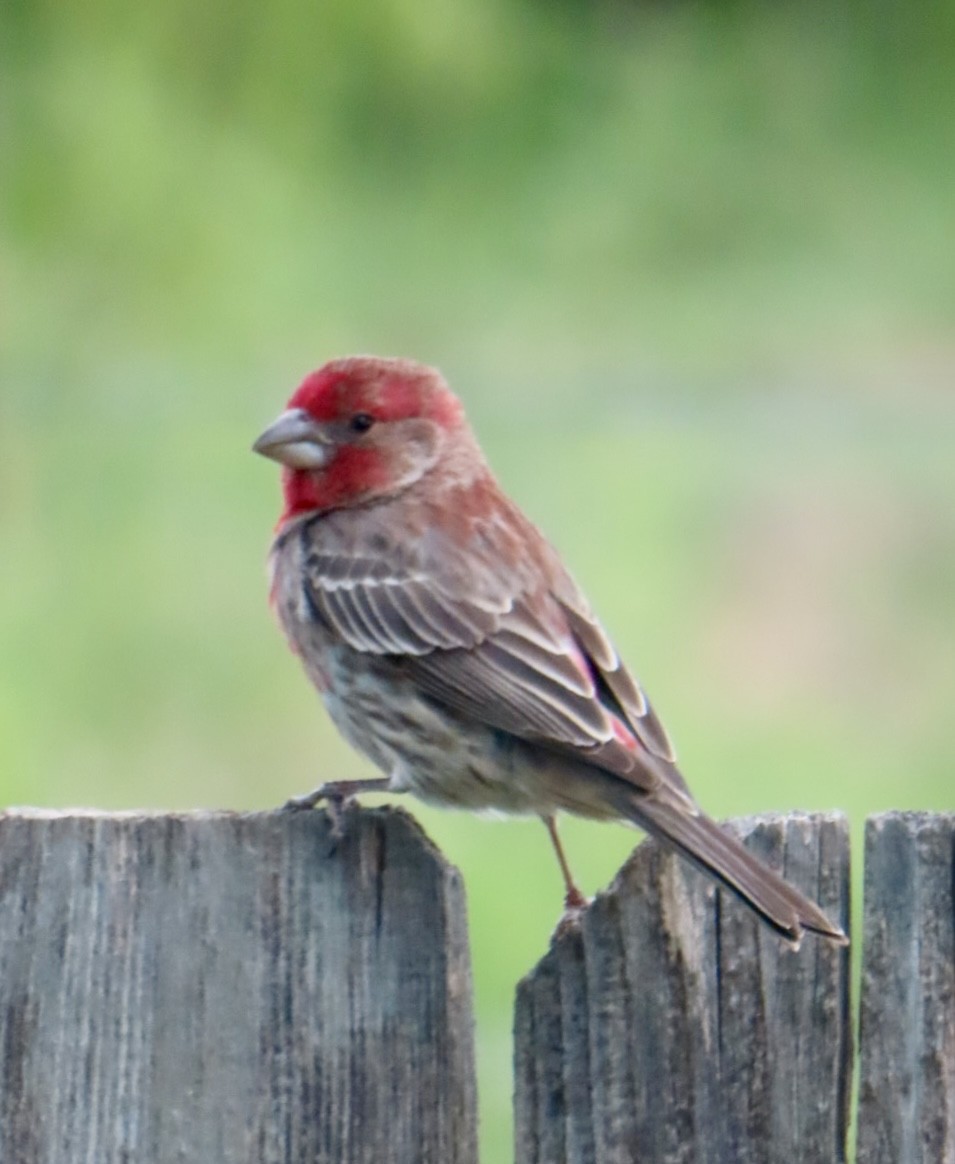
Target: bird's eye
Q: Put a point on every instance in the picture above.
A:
(361, 422)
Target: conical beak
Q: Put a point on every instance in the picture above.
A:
(297, 440)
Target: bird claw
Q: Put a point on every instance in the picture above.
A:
(574, 900)
(300, 803)
(571, 918)
(337, 807)
(336, 802)
(337, 793)
(574, 906)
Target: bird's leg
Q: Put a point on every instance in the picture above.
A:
(337, 793)
(340, 790)
(573, 898)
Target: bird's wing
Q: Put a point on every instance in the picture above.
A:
(617, 687)
(510, 643)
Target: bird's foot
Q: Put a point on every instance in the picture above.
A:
(309, 800)
(574, 900)
(340, 790)
(337, 794)
(574, 905)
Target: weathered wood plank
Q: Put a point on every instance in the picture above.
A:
(210, 988)
(907, 1025)
(671, 1027)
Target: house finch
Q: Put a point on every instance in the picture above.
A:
(449, 643)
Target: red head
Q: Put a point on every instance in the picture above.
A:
(360, 429)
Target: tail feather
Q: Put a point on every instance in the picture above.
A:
(720, 854)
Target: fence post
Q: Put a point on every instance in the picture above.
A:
(229, 989)
(907, 1025)
(671, 1026)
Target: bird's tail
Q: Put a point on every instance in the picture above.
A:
(720, 854)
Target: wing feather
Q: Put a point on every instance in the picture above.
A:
(397, 636)
(552, 662)
(477, 685)
(347, 617)
(619, 686)
(452, 624)
(379, 632)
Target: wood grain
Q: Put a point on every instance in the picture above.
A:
(227, 988)
(670, 1026)
(907, 1024)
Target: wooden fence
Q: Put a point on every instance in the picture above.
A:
(228, 989)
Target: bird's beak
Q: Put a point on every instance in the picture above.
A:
(297, 440)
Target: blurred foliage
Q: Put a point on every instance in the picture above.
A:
(690, 265)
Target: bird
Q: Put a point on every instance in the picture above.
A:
(449, 643)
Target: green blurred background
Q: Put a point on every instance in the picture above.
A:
(692, 268)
